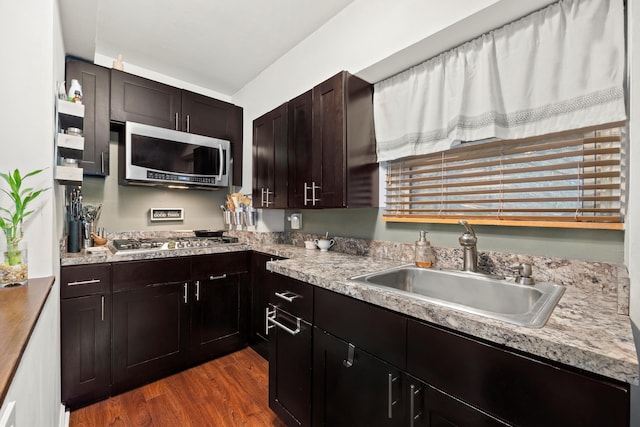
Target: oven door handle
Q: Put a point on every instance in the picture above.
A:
(271, 318)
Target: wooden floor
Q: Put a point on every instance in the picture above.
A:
(229, 391)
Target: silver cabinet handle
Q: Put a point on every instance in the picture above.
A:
(197, 290)
(287, 296)
(269, 202)
(412, 405)
(102, 161)
(184, 296)
(266, 320)
(313, 193)
(306, 190)
(271, 318)
(177, 124)
(348, 362)
(188, 123)
(262, 197)
(391, 401)
(313, 187)
(84, 282)
(222, 276)
(102, 308)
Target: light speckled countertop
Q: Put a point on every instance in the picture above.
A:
(584, 330)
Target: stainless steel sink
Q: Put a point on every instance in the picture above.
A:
(523, 305)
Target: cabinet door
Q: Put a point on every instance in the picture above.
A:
(352, 387)
(140, 100)
(290, 366)
(270, 159)
(511, 386)
(85, 335)
(328, 151)
(95, 82)
(150, 334)
(260, 291)
(218, 318)
(429, 407)
(217, 119)
(299, 150)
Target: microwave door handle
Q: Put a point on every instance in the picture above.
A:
(221, 163)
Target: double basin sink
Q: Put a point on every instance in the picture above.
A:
(522, 305)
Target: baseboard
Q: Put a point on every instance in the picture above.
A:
(63, 419)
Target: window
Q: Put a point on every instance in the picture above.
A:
(569, 180)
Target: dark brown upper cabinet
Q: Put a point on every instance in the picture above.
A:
(299, 150)
(141, 100)
(270, 159)
(331, 159)
(95, 84)
(344, 169)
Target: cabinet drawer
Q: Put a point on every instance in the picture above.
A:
(138, 274)
(521, 390)
(205, 266)
(82, 280)
(376, 330)
(291, 295)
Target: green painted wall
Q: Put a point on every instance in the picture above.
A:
(590, 245)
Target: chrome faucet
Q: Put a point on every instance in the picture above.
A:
(468, 242)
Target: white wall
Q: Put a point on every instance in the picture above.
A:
(33, 60)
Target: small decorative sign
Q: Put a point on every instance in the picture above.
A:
(166, 214)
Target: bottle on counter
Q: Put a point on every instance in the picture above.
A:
(425, 257)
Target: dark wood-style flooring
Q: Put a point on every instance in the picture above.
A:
(229, 391)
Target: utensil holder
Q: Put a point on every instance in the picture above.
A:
(74, 237)
(250, 217)
(226, 215)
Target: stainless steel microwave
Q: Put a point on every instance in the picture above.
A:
(160, 156)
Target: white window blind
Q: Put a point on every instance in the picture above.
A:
(567, 180)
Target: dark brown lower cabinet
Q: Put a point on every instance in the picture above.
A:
(430, 407)
(218, 319)
(169, 314)
(290, 371)
(353, 388)
(258, 337)
(522, 390)
(150, 334)
(85, 334)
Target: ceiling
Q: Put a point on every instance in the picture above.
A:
(216, 44)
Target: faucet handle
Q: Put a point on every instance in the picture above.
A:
(524, 274)
(466, 225)
(469, 237)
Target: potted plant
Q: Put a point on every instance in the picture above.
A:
(13, 264)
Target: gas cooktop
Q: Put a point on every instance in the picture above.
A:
(126, 246)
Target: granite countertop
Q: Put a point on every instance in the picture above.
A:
(584, 330)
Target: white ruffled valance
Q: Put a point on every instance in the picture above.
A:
(557, 69)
